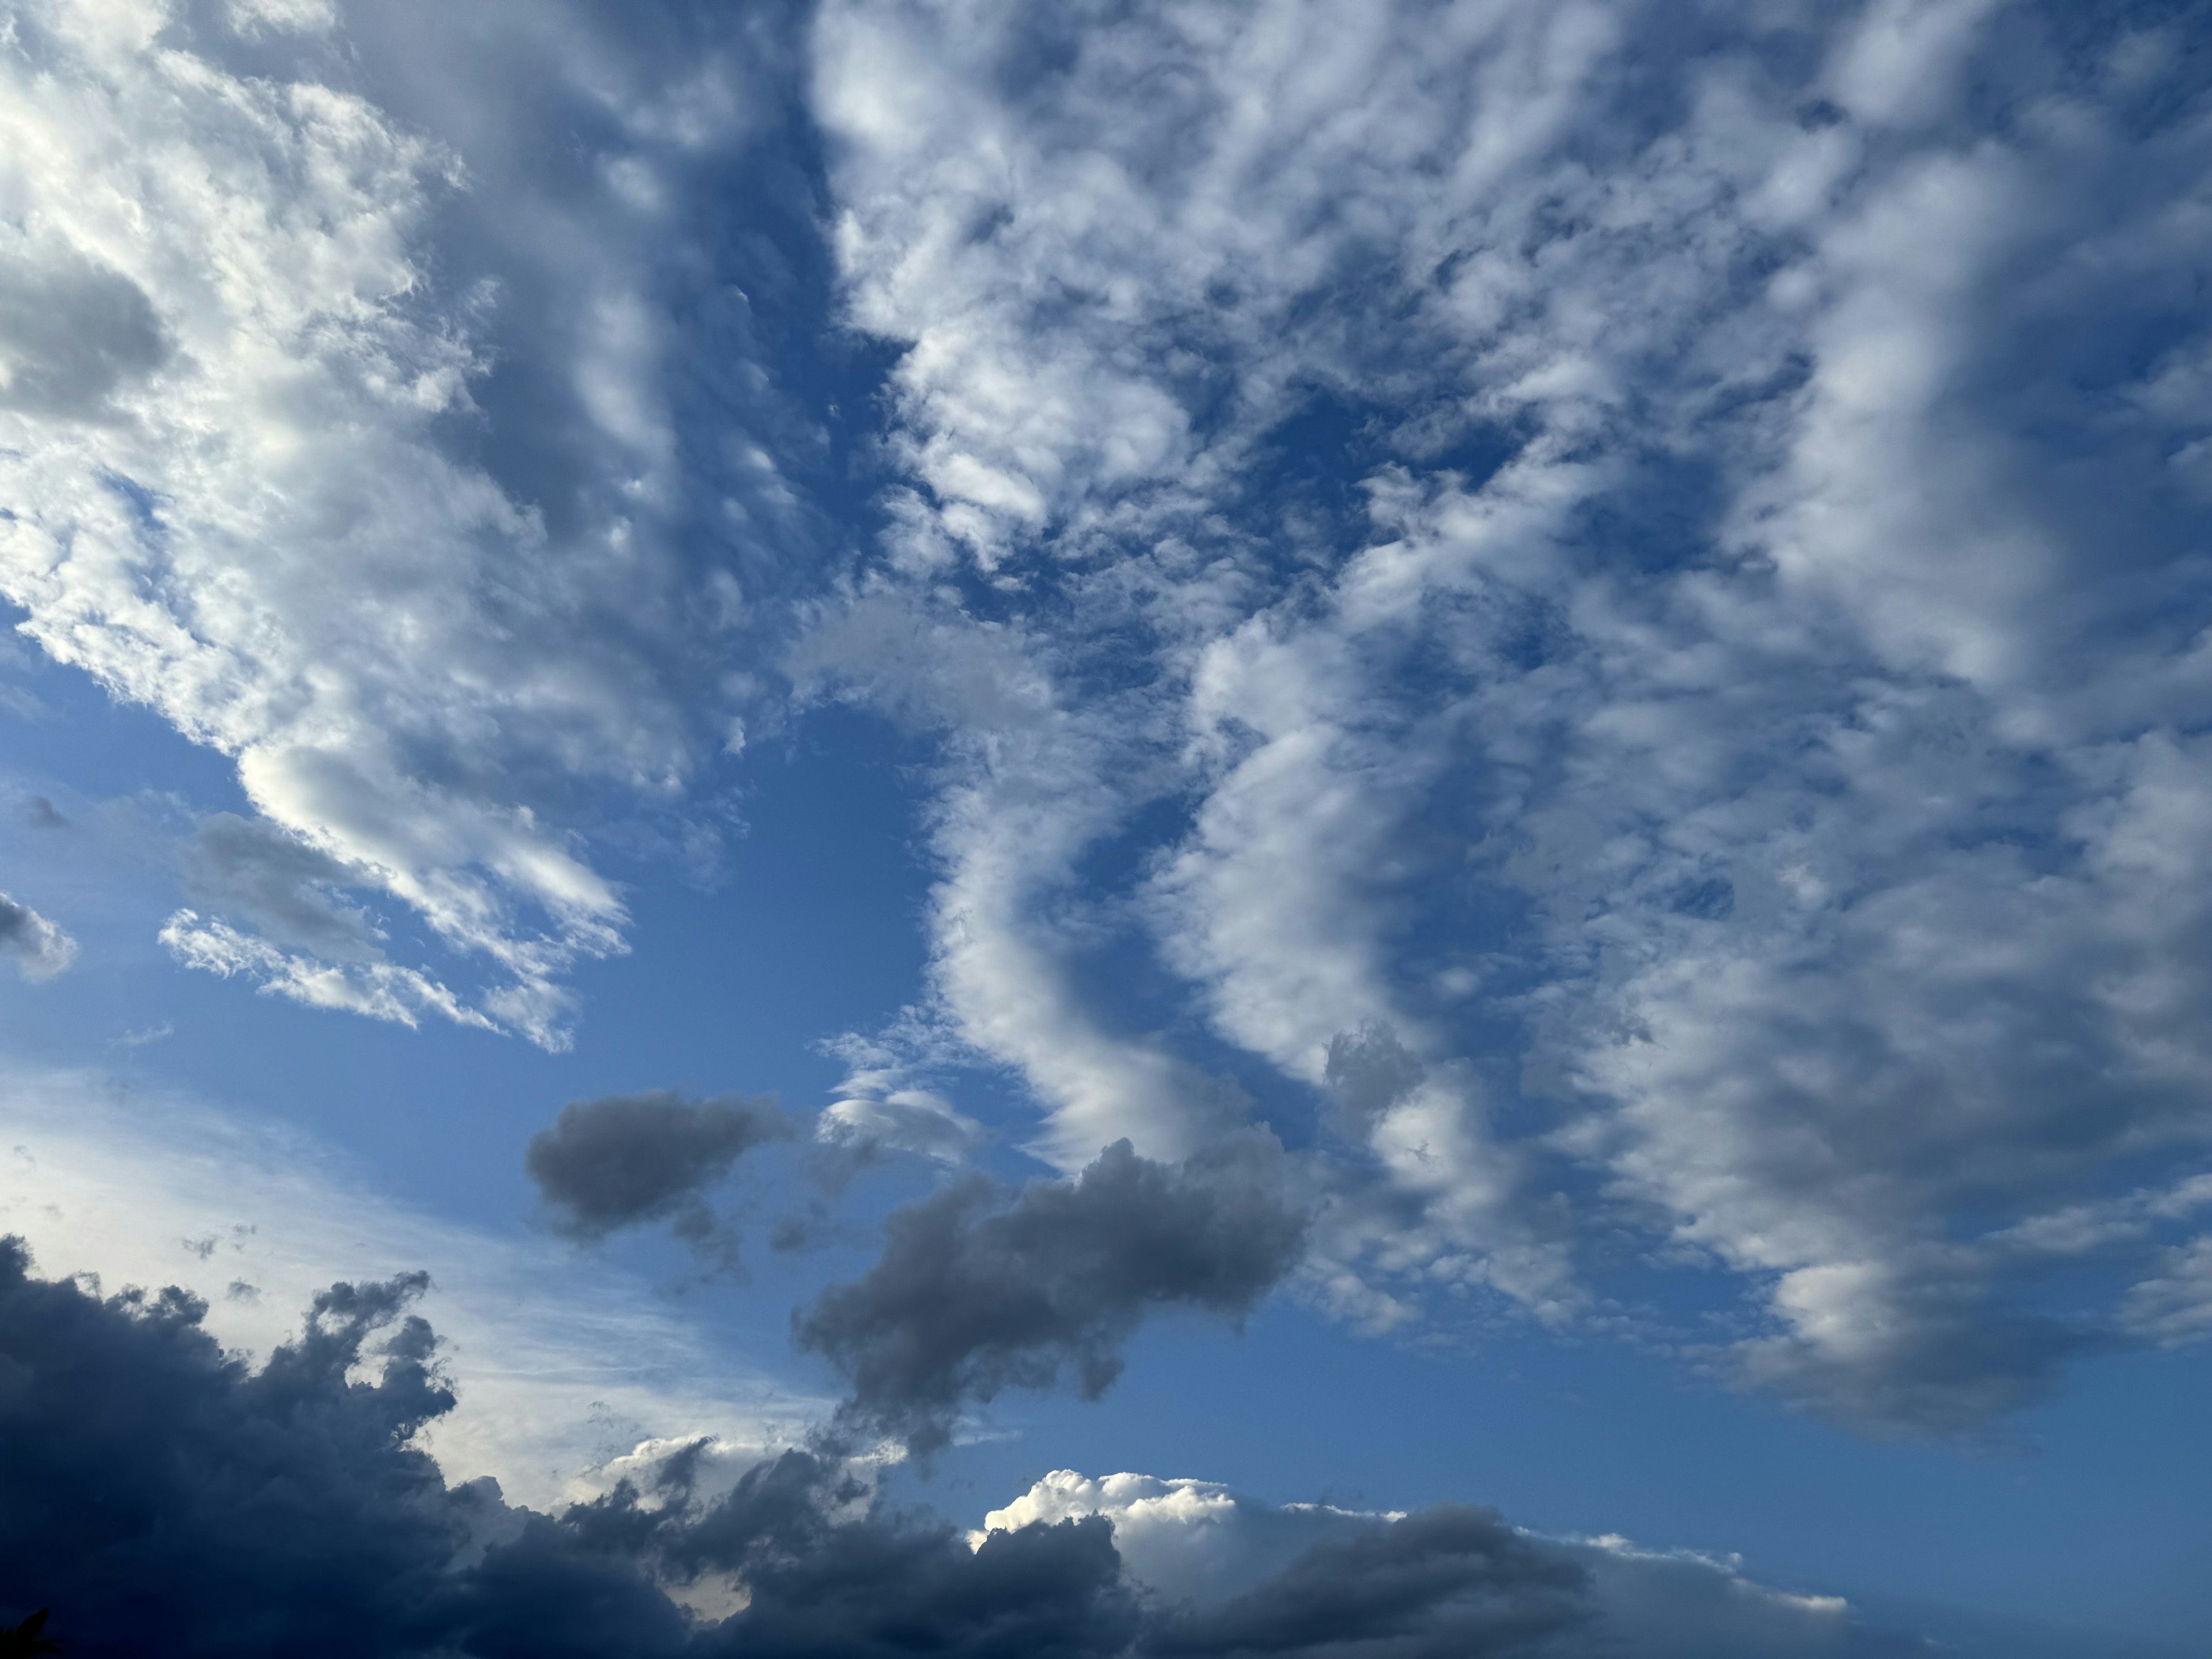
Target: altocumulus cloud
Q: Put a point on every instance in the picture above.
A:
(254, 322)
(1625, 595)
(161, 1496)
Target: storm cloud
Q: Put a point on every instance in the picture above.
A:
(979, 1289)
(630, 1159)
(160, 1495)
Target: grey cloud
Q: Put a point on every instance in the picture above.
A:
(259, 872)
(41, 948)
(160, 1497)
(1370, 1072)
(41, 814)
(1450, 1582)
(979, 1289)
(630, 1159)
(1232, 1575)
(72, 333)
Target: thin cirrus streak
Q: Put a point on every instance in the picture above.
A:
(1660, 604)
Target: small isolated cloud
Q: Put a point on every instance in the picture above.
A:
(911, 1120)
(40, 948)
(979, 1289)
(630, 1159)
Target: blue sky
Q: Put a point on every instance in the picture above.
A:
(1555, 654)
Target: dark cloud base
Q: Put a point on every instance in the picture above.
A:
(162, 1498)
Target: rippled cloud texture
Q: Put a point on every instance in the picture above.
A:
(1650, 558)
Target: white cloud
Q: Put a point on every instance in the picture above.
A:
(245, 324)
(559, 1365)
(1198, 1542)
(1734, 725)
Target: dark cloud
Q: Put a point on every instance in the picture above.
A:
(162, 1498)
(1450, 1582)
(42, 814)
(628, 1159)
(979, 1290)
(40, 949)
(255, 871)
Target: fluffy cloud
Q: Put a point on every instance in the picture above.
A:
(272, 465)
(1660, 604)
(628, 1159)
(979, 1290)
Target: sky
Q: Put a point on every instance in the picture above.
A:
(1145, 827)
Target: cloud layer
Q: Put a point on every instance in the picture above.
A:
(1612, 603)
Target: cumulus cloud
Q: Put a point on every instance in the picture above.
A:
(40, 948)
(979, 1290)
(162, 1492)
(630, 1159)
(1574, 616)
(1236, 1575)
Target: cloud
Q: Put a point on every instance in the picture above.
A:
(1236, 1574)
(161, 1491)
(979, 1290)
(912, 1121)
(561, 1364)
(630, 1159)
(1407, 527)
(285, 887)
(41, 948)
(339, 427)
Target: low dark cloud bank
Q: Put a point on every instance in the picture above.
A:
(631, 1159)
(979, 1289)
(160, 1497)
